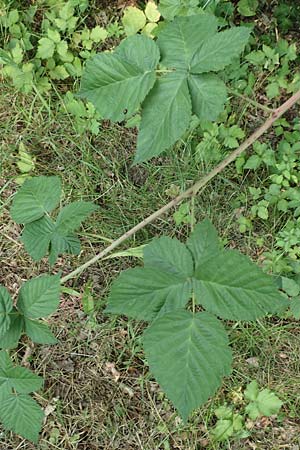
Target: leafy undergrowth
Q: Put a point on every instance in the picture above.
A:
(98, 392)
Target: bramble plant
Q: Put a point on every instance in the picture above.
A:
(183, 290)
(170, 80)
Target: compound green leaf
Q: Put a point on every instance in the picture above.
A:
(11, 338)
(262, 403)
(36, 237)
(39, 297)
(219, 50)
(117, 85)
(208, 94)
(231, 286)
(36, 196)
(6, 306)
(188, 354)
(71, 216)
(21, 379)
(169, 255)
(39, 332)
(203, 241)
(145, 293)
(166, 115)
(21, 414)
(180, 39)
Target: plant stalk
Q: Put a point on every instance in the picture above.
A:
(193, 190)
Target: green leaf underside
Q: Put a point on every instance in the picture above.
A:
(188, 354)
(6, 306)
(115, 84)
(169, 255)
(71, 216)
(295, 307)
(21, 414)
(166, 115)
(232, 287)
(39, 297)
(36, 196)
(180, 39)
(21, 379)
(11, 338)
(145, 293)
(39, 332)
(208, 93)
(219, 50)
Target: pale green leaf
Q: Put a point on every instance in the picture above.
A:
(203, 241)
(36, 237)
(145, 293)
(169, 255)
(291, 287)
(117, 83)
(21, 414)
(36, 197)
(188, 354)
(219, 50)
(133, 20)
(231, 286)
(11, 338)
(208, 94)
(251, 391)
(53, 35)
(180, 39)
(39, 332)
(151, 11)
(166, 115)
(21, 379)
(247, 8)
(98, 34)
(265, 404)
(39, 296)
(6, 306)
(46, 48)
(71, 216)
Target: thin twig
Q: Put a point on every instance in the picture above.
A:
(193, 190)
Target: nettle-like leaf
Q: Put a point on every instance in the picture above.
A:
(19, 412)
(188, 352)
(187, 50)
(41, 234)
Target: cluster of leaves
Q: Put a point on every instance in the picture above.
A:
(255, 403)
(19, 412)
(34, 59)
(38, 298)
(287, 14)
(135, 20)
(170, 80)
(189, 352)
(31, 206)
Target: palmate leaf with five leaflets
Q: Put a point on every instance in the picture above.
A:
(188, 49)
(188, 353)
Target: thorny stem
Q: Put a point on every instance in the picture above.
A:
(193, 190)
